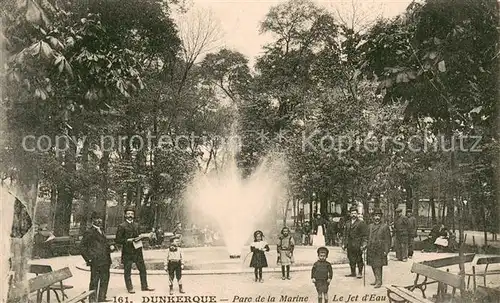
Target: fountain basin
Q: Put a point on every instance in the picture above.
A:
(215, 260)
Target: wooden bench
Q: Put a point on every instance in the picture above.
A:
(438, 263)
(486, 261)
(43, 282)
(62, 246)
(443, 278)
(405, 295)
(39, 269)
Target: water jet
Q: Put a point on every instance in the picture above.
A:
(239, 205)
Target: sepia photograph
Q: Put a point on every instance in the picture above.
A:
(249, 151)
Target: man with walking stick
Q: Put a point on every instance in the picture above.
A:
(355, 236)
(379, 244)
(97, 254)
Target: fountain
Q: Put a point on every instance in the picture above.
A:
(239, 205)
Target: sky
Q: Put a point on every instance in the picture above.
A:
(240, 19)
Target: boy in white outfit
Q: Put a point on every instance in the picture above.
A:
(174, 264)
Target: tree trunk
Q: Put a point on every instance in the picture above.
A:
(65, 194)
(496, 133)
(26, 190)
(409, 196)
(323, 202)
(53, 203)
(311, 210)
(432, 205)
(86, 207)
(102, 195)
(344, 200)
(453, 166)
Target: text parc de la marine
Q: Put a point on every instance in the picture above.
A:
(260, 298)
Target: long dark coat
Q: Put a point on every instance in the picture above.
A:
(379, 244)
(412, 227)
(95, 248)
(126, 231)
(355, 234)
(401, 227)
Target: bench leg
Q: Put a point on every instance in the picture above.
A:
(474, 277)
(39, 296)
(57, 295)
(392, 299)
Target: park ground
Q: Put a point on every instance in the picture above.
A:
(234, 287)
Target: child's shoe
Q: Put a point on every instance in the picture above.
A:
(261, 281)
(180, 289)
(283, 278)
(171, 288)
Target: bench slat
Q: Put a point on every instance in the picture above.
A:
(438, 275)
(46, 280)
(407, 295)
(39, 282)
(488, 260)
(40, 269)
(448, 261)
(80, 297)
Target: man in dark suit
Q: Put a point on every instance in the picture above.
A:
(379, 244)
(355, 238)
(129, 237)
(401, 230)
(412, 231)
(96, 252)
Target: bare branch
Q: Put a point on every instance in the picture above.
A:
(357, 15)
(200, 33)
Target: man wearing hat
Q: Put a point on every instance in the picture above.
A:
(401, 229)
(379, 244)
(96, 252)
(412, 231)
(129, 237)
(355, 237)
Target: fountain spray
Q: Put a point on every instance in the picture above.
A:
(238, 205)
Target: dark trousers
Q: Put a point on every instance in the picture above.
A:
(174, 271)
(355, 256)
(410, 246)
(401, 248)
(330, 239)
(377, 272)
(127, 272)
(99, 278)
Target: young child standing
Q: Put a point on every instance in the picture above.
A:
(322, 274)
(174, 264)
(286, 245)
(258, 248)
